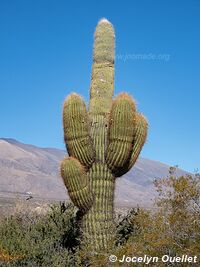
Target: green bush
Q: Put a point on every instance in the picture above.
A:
(126, 227)
(52, 239)
(48, 240)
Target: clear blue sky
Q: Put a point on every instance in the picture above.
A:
(46, 53)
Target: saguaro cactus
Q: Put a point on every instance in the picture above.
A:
(103, 143)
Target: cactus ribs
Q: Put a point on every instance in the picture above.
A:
(103, 143)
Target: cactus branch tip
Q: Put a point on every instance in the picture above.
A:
(104, 20)
(144, 118)
(72, 96)
(124, 95)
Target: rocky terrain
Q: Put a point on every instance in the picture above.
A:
(31, 172)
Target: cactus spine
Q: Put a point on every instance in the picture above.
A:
(103, 143)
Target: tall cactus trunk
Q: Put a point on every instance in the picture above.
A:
(103, 143)
(98, 222)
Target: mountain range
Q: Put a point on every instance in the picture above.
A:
(30, 170)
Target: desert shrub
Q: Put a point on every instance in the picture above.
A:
(126, 226)
(52, 240)
(173, 228)
(48, 240)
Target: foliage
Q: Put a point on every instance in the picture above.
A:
(174, 227)
(48, 240)
(126, 227)
(52, 240)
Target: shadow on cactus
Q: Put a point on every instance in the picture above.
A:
(103, 143)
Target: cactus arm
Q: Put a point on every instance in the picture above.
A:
(140, 135)
(121, 131)
(77, 183)
(141, 129)
(76, 130)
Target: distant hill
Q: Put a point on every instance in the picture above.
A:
(30, 170)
